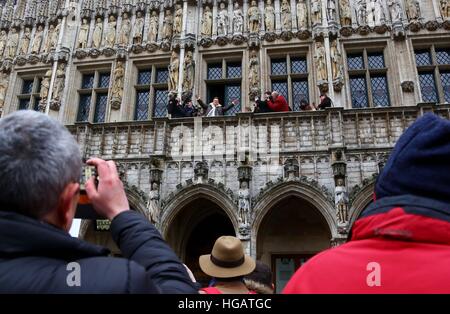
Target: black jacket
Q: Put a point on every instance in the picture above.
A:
(34, 257)
(176, 109)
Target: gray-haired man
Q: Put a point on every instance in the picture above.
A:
(39, 190)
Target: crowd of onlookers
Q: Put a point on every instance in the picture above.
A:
(271, 101)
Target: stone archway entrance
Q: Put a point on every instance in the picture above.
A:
(193, 231)
(291, 232)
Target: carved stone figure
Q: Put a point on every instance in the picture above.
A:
(413, 10)
(111, 33)
(253, 18)
(341, 202)
(4, 80)
(117, 88)
(168, 25)
(45, 86)
(302, 15)
(361, 12)
(244, 204)
(153, 27)
(395, 10)
(321, 62)
(3, 40)
(138, 28)
(54, 36)
(445, 9)
(173, 71)
(13, 42)
(375, 13)
(36, 47)
(188, 74)
(222, 20)
(336, 61)
(206, 29)
(286, 16)
(345, 12)
(253, 72)
(178, 20)
(331, 10)
(48, 42)
(125, 30)
(83, 34)
(98, 33)
(58, 85)
(269, 16)
(152, 206)
(316, 11)
(238, 19)
(25, 41)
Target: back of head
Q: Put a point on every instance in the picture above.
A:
(419, 163)
(260, 280)
(39, 157)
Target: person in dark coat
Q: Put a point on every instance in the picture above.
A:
(41, 166)
(401, 242)
(325, 102)
(189, 109)
(175, 108)
(261, 104)
(214, 108)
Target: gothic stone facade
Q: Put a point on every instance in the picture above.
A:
(104, 68)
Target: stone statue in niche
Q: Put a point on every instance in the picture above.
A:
(345, 13)
(253, 73)
(395, 10)
(238, 19)
(45, 87)
(83, 34)
(321, 63)
(444, 6)
(316, 11)
(36, 47)
(152, 205)
(153, 27)
(269, 17)
(13, 42)
(111, 33)
(178, 20)
(244, 204)
(58, 85)
(189, 69)
(222, 20)
(253, 17)
(413, 10)
(25, 41)
(98, 33)
(117, 88)
(173, 71)
(336, 61)
(331, 10)
(341, 202)
(286, 16)
(168, 25)
(55, 34)
(125, 30)
(375, 14)
(4, 81)
(302, 15)
(138, 28)
(206, 30)
(3, 41)
(361, 12)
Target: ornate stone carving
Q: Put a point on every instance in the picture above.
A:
(4, 81)
(244, 204)
(58, 86)
(345, 12)
(413, 10)
(270, 36)
(167, 26)
(189, 70)
(407, 86)
(431, 25)
(3, 41)
(331, 10)
(25, 41)
(444, 6)
(286, 16)
(238, 19)
(341, 202)
(138, 28)
(361, 12)
(173, 71)
(375, 13)
(125, 30)
(178, 20)
(83, 34)
(336, 61)
(269, 17)
(222, 20)
(117, 88)
(206, 42)
(45, 87)
(153, 27)
(111, 32)
(320, 62)
(153, 209)
(201, 171)
(206, 29)
(253, 17)
(316, 12)
(291, 169)
(13, 42)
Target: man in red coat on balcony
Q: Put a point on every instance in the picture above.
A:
(277, 103)
(401, 242)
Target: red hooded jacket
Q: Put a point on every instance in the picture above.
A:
(401, 244)
(280, 104)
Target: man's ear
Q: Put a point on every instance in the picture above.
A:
(67, 205)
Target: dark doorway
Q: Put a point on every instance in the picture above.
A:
(215, 90)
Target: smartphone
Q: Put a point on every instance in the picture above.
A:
(85, 210)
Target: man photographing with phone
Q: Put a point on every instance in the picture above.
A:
(41, 165)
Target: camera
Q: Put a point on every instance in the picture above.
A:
(85, 210)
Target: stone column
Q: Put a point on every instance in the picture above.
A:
(182, 49)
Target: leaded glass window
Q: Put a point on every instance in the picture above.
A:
(380, 91)
(428, 87)
(299, 65)
(281, 88)
(100, 108)
(376, 61)
(234, 70)
(214, 71)
(144, 77)
(423, 58)
(160, 103)
(141, 112)
(443, 56)
(104, 80)
(29, 93)
(358, 90)
(93, 93)
(87, 81)
(162, 75)
(279, 66)
(355, 62)
(299, 93)
(151, 96)
(83, 108)
(233, 92)
(445, 80)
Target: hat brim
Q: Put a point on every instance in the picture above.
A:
(211, 269)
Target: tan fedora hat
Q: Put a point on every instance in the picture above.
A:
(227, 259)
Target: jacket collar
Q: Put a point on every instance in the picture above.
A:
(25, 236)
(405, 218)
